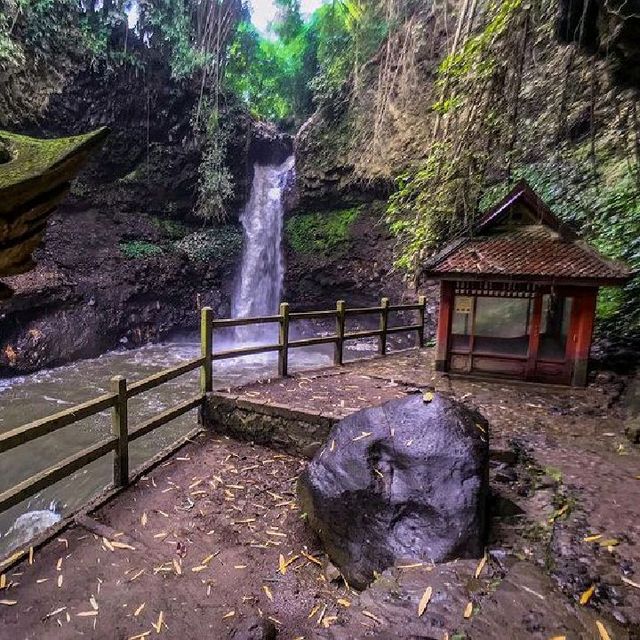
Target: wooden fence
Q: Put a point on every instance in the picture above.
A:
(121, 393)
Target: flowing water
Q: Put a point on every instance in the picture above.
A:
(31, 397)
(259, 285)
(258, 290)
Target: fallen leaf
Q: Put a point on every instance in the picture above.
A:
(93, 602)
(158, 625)
(230, 614)
(86, 614)
(60, 580)
(8, 603)
(311, 558)
(586, 596)
(30, 555)
(3, 581)
(592, 538)
(267, 592)
(468, 610)
(176, 566)
(609, 542)
(282, 565)
(480, 566)
(631, 583)
(424, 601)
(143, 520)
(368, 614)
(427, 396)
(604, 634)
(107, 543)
(121, 545)
(138, 611)
(343, 602)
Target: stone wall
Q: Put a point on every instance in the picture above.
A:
(295, 432)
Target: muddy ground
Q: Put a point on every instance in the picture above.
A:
(199, 540)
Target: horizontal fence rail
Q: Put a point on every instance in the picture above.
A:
(117, 400)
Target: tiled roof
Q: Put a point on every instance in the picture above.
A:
(527, 251)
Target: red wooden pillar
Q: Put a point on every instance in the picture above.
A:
(582, 334)
(445, 315)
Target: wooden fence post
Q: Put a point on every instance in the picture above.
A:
(422, 301)
(120, 429)
(340, 321)
(384, 321)
(206, 349)
(283, 354)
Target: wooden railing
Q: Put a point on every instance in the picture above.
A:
(117, 400)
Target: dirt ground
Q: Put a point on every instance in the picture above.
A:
(213, 536)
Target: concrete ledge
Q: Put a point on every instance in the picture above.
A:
(292, 430)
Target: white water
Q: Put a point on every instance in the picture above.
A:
(259, 286)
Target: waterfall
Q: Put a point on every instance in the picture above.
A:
(259, 286)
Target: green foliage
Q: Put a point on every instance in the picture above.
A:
(320, 232)
(215, 184)
(269, 75)
(139, 249)
(605, 207)
(217, 244)
(172, 229)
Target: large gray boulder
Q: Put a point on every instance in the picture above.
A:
(403, 482)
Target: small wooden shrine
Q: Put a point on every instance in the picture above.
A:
(518, 295)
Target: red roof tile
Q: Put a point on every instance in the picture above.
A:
(529, 251)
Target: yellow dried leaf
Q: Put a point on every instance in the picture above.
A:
(631, 583)
(343, 602)
(8, 603)
(230, 614)
(424, 601)
(176, 567)
(314, 611)
(121, 545)
(468, 610)
(311, 558)
(138, 611)
(59, 564)
(199, 568)
(140, 636)
(158, 625)
(480, 566)
(282, 565)
(107, 543)
(592, 538)
(604, 634)
(208, 559)
(3, 581)
(60, 578)
(93, 602)
(609, 542)
(586, 596)
(30, 555)
(143, 520)
(558, 638)
(267, 592)
(86, 614)
(12, 558)
(370, 615)
(427, 396)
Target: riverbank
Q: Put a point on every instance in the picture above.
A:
(562, 471)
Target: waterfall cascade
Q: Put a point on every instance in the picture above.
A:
(259, 284)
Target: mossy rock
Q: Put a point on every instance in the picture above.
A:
(34, 178)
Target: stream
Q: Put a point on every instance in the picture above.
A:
(29, 398)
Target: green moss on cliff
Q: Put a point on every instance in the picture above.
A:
(31, 157)
(320, 232)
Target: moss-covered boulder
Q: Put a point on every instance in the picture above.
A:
(34, 177)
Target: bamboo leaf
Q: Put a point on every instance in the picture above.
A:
(424, 601)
